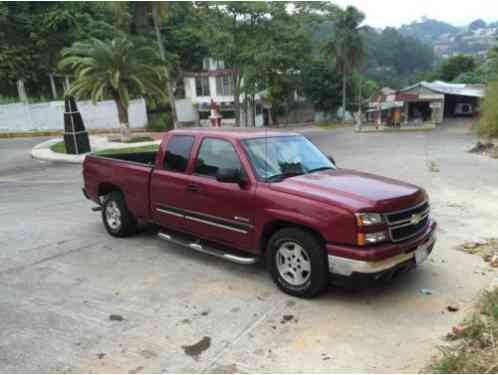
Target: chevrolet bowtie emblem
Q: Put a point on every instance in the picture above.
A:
(415, 219)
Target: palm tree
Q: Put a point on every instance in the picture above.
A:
(139, 18)
(114, 69)
(346, 46)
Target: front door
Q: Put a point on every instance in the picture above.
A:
(221, 212)
(170, 182)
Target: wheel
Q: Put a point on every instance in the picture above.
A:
(297, 262)
(118, 221)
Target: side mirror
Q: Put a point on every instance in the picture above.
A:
(331, 159)
(230, 175)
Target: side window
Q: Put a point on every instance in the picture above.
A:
(215, 154)
(178, 153)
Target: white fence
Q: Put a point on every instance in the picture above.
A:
(50, 116)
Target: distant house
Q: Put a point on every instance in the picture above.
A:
(214, 82)
(425, 102)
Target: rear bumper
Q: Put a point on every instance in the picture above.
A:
(348, 266)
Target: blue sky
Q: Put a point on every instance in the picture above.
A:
(382, 13)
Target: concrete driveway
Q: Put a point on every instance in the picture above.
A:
(62, 276)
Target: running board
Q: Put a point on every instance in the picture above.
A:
(246, 260)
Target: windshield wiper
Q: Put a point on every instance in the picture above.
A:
(282, 176)
(319, 169)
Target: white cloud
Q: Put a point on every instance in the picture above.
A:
(382, 13)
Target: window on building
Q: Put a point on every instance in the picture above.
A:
(202, 86)
(220, 64)
(205, 63)
(216, 154)
(224, 86)
(178, 153)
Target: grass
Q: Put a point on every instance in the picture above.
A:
(127, 150)
(58, 147)
(473, 347)
(138, 139)
(333, 125)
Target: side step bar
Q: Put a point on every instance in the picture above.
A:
(246, 260)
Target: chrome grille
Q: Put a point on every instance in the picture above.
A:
(407, 223)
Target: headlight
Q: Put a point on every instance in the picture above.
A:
(367, 219)
(371, 238)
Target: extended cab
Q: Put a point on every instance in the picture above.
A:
(244, 195)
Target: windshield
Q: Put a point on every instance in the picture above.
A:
(275, 158)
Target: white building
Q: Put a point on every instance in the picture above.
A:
(214, 82)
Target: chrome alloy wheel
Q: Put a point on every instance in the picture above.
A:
(293, 263)
(113, 215)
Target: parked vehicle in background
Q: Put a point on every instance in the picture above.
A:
(244, 196)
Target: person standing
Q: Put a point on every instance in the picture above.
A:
(215, 115)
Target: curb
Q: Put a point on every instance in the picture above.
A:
(43, 152)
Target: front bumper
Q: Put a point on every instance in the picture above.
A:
(340, 265)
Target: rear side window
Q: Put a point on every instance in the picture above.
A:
(215, 154)
(178, 153)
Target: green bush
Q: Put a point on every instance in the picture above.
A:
(488, 123)
(159, 122)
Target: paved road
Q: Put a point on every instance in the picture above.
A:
(61, 276)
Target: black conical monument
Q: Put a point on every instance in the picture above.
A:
(75, 136)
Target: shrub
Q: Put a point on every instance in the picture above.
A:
(159, 122)
(488, 123)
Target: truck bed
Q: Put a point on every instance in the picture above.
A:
(130, 172)
(147, 158)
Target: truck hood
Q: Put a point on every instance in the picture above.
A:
(353, 191)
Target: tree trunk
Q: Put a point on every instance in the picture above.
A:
(344, 96)
(124, 126)
(169, 86)
(236, 100)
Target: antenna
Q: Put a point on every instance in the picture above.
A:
(266, 150)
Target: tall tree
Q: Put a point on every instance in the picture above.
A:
(115, 69)
(234, 34)
(346, 45)
(454, 66)
(145, 18)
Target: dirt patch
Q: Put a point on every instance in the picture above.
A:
(471, 344)
(116, 317)
(226, 369)
(433, 167)
(195, 350)
(136, 370)
(488, 149)
(487, 250)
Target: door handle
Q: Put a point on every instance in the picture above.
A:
(192, 188)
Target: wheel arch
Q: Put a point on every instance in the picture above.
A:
(105, 188)
(274, 226)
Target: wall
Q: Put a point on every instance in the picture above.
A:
(185, 110)
(50, 116)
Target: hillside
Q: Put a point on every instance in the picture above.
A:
(448, 40)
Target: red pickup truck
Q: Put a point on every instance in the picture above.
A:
(246, 195)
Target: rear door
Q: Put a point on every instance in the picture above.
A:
(222, 212)
(169, 183)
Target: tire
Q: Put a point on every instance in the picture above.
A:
(297, 262)
(118, 221)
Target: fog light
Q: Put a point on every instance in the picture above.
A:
(371, 238)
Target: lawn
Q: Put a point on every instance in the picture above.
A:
(60, 148)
